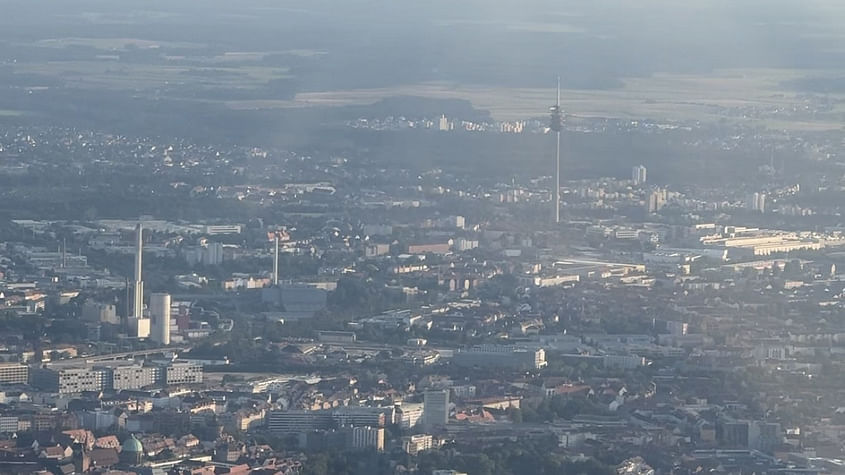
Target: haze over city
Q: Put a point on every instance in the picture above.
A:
(435, 238)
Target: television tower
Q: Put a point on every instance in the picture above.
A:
(555, 125)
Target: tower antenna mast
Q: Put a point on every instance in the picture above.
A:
(555, 125)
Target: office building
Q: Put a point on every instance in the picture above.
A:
(501, 356)
(436, 408)
(13, 373)
(417, 443)
(409, 414)
(362, 416)
(290, 422)
(215, 229)
(133, 377)
(639, 175)
(8, 424)
(368, 438)
(160, 318)
(180, 372)
(71, 380)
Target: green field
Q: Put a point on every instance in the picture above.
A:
(117, 75)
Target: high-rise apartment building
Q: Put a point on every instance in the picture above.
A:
(639, 175)
(160, 318)
(436, 408)
(757, 202)
(656, 200)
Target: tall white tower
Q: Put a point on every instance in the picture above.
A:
(138, 305)
(160, 318)
(276, 259)
(556, 125)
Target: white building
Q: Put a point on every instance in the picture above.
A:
(417, 443)
(464, 244)
(409, 414)
(72, 380)
(212, 230)
(757, 202)
(639, 175)
(160, 318)
(139, 327)
(444, 124)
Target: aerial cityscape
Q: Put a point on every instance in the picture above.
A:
(378, 237)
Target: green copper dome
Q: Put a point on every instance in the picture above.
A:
(132, 445)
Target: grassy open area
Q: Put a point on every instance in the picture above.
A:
(113, 44)
(117, 75)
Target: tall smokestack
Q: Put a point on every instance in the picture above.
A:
(276, 260)
(138, 305)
